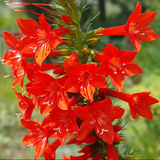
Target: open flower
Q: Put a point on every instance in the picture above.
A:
(98, 116)
(40, 38)
(136, 28)
(117, 64)
(49, 90)
(83, 78)
(139, 103)
(37, 137)
(62, 121)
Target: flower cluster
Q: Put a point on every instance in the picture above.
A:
(75, 98)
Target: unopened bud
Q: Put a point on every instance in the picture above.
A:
(66, 50)
(73, 57)
(66, 19)
(121, 138)
(85, 51)
(72, 28)
(91, 41)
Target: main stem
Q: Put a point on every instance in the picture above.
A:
(79, 45)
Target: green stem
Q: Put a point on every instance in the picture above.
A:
(79, 46)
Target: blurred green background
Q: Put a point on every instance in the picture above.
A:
(140, 133)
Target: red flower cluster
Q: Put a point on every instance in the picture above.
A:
(76, 97)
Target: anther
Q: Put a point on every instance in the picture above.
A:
(58, 92)
(137, 31)
(143, 34)
(103, 130)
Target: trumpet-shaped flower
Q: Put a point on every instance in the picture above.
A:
(117, 64)
(83, 78)
(37, 137)
(40, 39)
(139, 103)
(49, 90)
(98, 116)
(136, 28)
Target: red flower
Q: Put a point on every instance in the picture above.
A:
(14, 58)
(49, 152)
(117, 64)
(136, 28)
(37, 137)
(73, 57)
(139, 103)
(40, 38)
(83, 78)
(66, 18)
(111, 153)
(98, 116)
(62, 121)
(25, 105)
(50, 91)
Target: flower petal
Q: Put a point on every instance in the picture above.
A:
(126, 56)
(105, 132)
(117, 80)
(87, 91)
(81, 112)
(42, 53)
(85, 129)
(144, 112)
(110, 52)
(111, 153)
(147, 35)
(132, 69)
(10, 39)
(54, 40)
(72, 85)
(98, 81)
(28, 26)
(44, 25)
(70, 66)
(112, 31)
(145, 19)
(135, 42)
(135, 14)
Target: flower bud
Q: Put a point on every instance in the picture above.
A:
(91, 41)
(73, 57)
(66, 19)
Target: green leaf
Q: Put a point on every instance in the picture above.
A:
(83, 4)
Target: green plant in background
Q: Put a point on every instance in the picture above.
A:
(147, 57)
